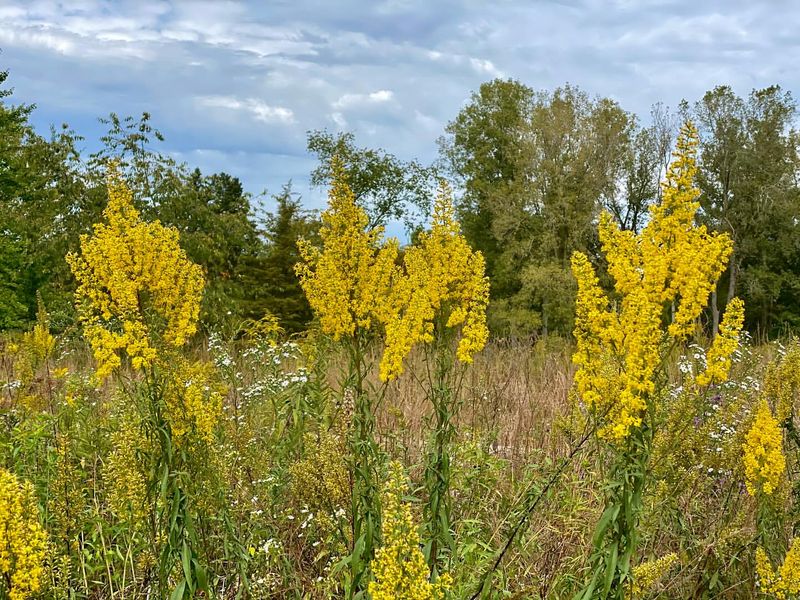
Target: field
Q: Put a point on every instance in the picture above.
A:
(393, 450)
(268, 490)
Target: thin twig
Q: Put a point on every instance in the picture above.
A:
(529, 510)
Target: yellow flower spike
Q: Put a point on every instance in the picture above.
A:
(672, 262)
(399, 567)
(647, 574)
(125, 270)
(193, 399)
(442, 274)
(127, 496)
(764, 462)
(347, 282)
(782, 382)
(785, 582)
(718, 358)
(23, 541)
(40, 342)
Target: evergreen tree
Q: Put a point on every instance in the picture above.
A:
(279, 287)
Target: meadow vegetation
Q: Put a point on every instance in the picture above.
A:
(164, 434)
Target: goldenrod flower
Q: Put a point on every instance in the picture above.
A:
(40, 341)
(135, 283)
(321, 480)
(443, 278)
(786, 581)
(764, 462)
(718, 358)
(647, 574)
(399, 567)
(35, 350)
(347, 282)
(23, 541)
(782, 382)
(671, 262)
(124, 474)
(193, 399)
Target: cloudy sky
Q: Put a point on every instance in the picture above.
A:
(234, 86)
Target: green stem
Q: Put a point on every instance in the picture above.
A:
(438, 510)
(616, 536)
(365, 501)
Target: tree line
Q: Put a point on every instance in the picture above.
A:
(536, 168)
(533, 170)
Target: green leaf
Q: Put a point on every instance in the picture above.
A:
(178, 592)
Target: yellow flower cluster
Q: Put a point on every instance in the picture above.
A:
(784, 583)
(128, 271)
(718, 358)
(443, 276)
(764, 462)
(23, 541)
(29, 356)
(347, 282)
(66, 502)
(267, 329)
(193, 401)
(321, 479)
(671, 262)
(124, 473)
(399, 567)
(782, 382)
(647, 574)
(39, 342)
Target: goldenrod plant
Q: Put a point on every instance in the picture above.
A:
(443, 287)
(138, 298)
(718, 358)
(781, 583)
(137, 289)
(662, 277)
(348, 283)
(443, 292)
(33, 358)
(647, 574)
(770, 441)
(399, 568)
(23, 541)
(764, 461)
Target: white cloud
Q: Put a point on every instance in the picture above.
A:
(339, 119)
(481, 66)
(485, 66)
(377, 97)
(37, 39)
(258, 109)
(218, 75)
(427, 121)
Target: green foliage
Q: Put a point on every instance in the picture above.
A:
(385, 186)
(482, 150)
(13, 311)
(273, 281)
(536, 168)
(749, 160)
(41, 200)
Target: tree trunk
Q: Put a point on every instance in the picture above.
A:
(732, 280)
(714, 314)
